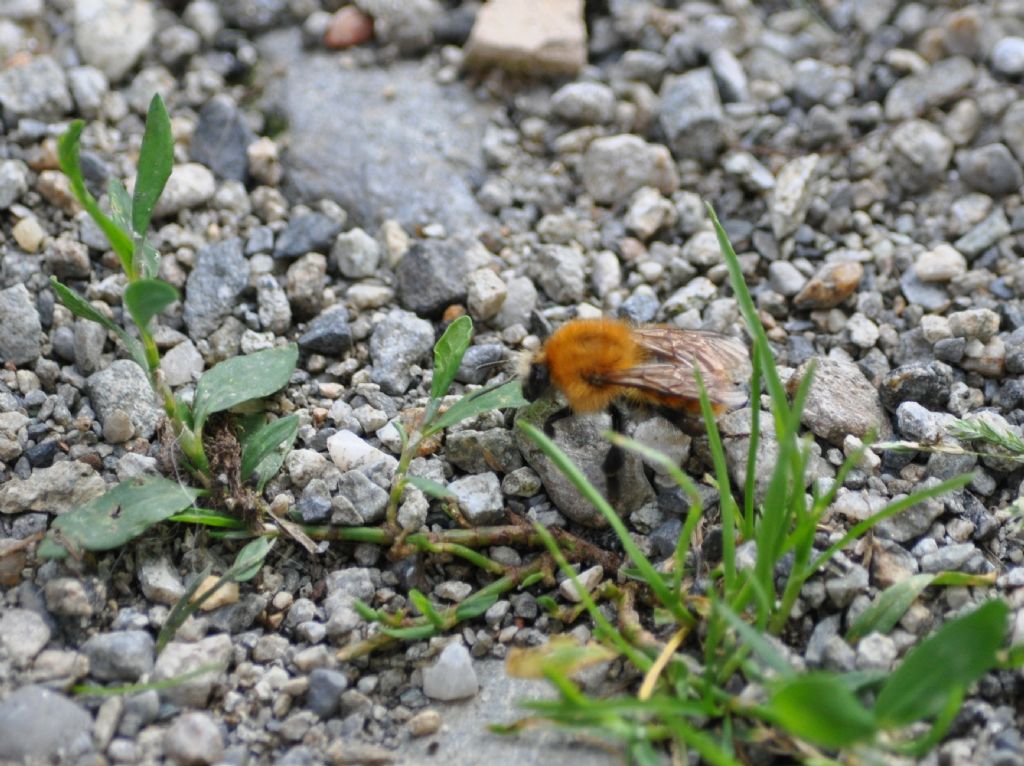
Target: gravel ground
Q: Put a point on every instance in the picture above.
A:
(344, 178)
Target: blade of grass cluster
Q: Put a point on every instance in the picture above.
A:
(562, 462)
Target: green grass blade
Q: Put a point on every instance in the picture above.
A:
(820, 708)
(261, 444)
(505, 396)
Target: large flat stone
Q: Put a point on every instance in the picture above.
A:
(382, 143)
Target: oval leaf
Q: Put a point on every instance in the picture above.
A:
(241, 379)
(957, 655)
(819, 708)
(145, 298)
(155, 160)
(448, 353)
(260, 444)
(122, 514)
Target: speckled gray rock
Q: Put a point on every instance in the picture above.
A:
(616, 166)
(690, 114)
(20, 328)
(399, 340)
(190, 185)
(221, 138)
(324, 694)
(13, 182)
(179, 658)
(23, 634)
(942, 81)
(56, 489)
(561, 272)
(792, 195)
(356, 254)
(123, 386)
(38, 725)
(120, 656)
(394, 144)
(182, 364)
(479, 497)
(312, 232)
(112, 34)
(220, 276)
(37, 90)
(920, 156)
(841, 402)
(584, 103)
(432, 276)
(991, 169)
(194, 739)
(329, 333)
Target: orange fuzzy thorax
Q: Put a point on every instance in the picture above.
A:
(580, 353)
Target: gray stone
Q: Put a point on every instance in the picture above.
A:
(120, 656)
(312, 232)
(480, 451)
(561, 272)
(273, 309)
(690, 114)
(220, 276)
(920, 155)
(841, 402)
(159, 581)
(13, 182)
(584, 103)
(190, 185)
(329, 333)
(452, 677)
(817, 82)
(88, 88)
(304, 284)
(616, 166)
(792, 195)
(368, 500)
(479, 498)
(37, 90)
(90, 338)
(729, 75)
(356, 254)
(23, 634)
(408, 24)
(432, 276)
(580, 438)
(56, 489)
(111, 35)
(506, 34)
(179, 658)
(194, 738)
(221, 138)
(916, 94)
(123, 386)
(948, 558)
(991, 169)
(38, 725)
(394, 144)
(181, 365)
(399, 340)
(1008, 56)
(985, 234)
(20, 327)
(325, 688)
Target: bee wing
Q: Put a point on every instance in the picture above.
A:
(723, 361)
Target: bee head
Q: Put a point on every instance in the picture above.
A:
(537, 380)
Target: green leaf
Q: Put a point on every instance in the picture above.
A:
(423, 605)
(249, 560)
(507, 395)
(122, 514)
(261, 445)
(955, 656)
(208, 518)
(366, 611)
(145, 298)
(67, 153)
(475, 605)
(120, 204)
(430, 488)
(889, 607)
(820, 708)
(241, 379)
(155, 160)
(182, 608)
(414, 633)
(448, 353)
(80, 307)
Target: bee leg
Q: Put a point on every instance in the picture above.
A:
(549, 424)
(615, 459)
